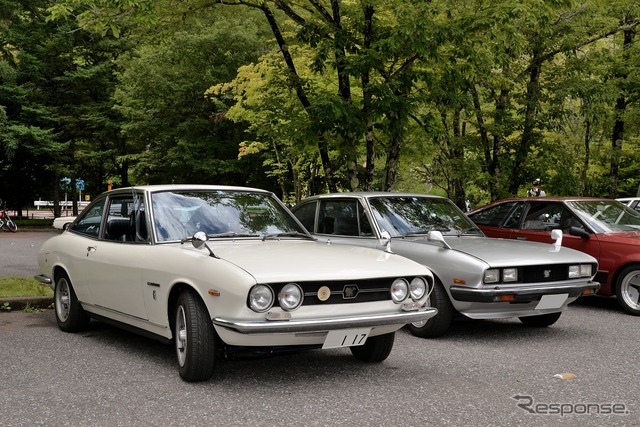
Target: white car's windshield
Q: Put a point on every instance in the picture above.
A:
(606, 216)
(406, 215)
(219, 214)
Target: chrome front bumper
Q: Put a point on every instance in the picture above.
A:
(521, 293)
(320, 325)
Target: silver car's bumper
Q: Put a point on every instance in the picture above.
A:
(319, 325)
(521, 293)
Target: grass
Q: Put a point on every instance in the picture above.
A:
(11, 287)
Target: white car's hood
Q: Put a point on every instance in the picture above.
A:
(294, 260)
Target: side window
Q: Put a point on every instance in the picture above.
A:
(498, 215)
(89, 222)
(543, 217)
(306, 214)
(344, 218)
(126, 220)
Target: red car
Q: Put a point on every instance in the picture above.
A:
(605, 229)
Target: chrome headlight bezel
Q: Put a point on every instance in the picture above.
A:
(260, 298)
(399, 290)
(290, 296)
(417, 288)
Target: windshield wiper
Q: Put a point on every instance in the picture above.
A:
(231, 234)
(287, 234)
(416, 233)
(470, 230)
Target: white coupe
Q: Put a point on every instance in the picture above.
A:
(213, 268)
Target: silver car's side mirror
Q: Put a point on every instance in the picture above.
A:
(436, 236)
(557, 236)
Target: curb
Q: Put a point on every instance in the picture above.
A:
(20, 303)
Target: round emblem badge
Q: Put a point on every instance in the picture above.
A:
(324, 293)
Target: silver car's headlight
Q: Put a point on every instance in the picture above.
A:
(260, 298)
(510, 275)
(574, 271)
(586, 270)
(417, 288)
(492, 275)
(399, 290)
(290, 297)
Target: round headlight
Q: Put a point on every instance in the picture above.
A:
(260, 298)
(417, 288)
(399, 290)
(290, 297)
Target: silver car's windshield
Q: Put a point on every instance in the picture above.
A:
(606, 216)
(407, 215)
(220, 214)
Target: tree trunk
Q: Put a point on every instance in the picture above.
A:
(366, 104)
(529, 135)
(302, 96)
(617, 136)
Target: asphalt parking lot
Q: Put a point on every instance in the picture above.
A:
(582, 371)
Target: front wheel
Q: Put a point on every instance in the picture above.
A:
(541, 320)
(11, 225)
(70, 315)
(194, 338)
(628, 290)
(375, 349)
(440, 323)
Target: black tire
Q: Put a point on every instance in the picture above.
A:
(11, 225)
(194, 338)
(541, 320)
(440, 323)
(70, 315)
(375, 349)
(628, 289)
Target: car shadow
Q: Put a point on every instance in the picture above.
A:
(300, 365)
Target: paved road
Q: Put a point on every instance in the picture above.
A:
(19, 252)
(108, 377)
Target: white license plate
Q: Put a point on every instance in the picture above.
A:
(346, 338)
(552, 301)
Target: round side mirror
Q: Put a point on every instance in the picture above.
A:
(199, 239)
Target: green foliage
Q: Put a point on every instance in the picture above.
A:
(11, 287)
(467, 99)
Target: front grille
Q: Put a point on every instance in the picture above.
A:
(544, 273)
(344, 291)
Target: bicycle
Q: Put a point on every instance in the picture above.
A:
(5, 220)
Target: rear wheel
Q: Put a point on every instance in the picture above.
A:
(194, 338)
(70, 315)
(541, 320)
(440, 323)
(628, 290)
(375, 349)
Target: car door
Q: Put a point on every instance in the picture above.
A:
(541, 217)
(114, 264)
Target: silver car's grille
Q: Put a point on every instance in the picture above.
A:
(545, 273)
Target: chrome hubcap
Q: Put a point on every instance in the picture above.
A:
(181, 336)
(63, 300)
(630, 290)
